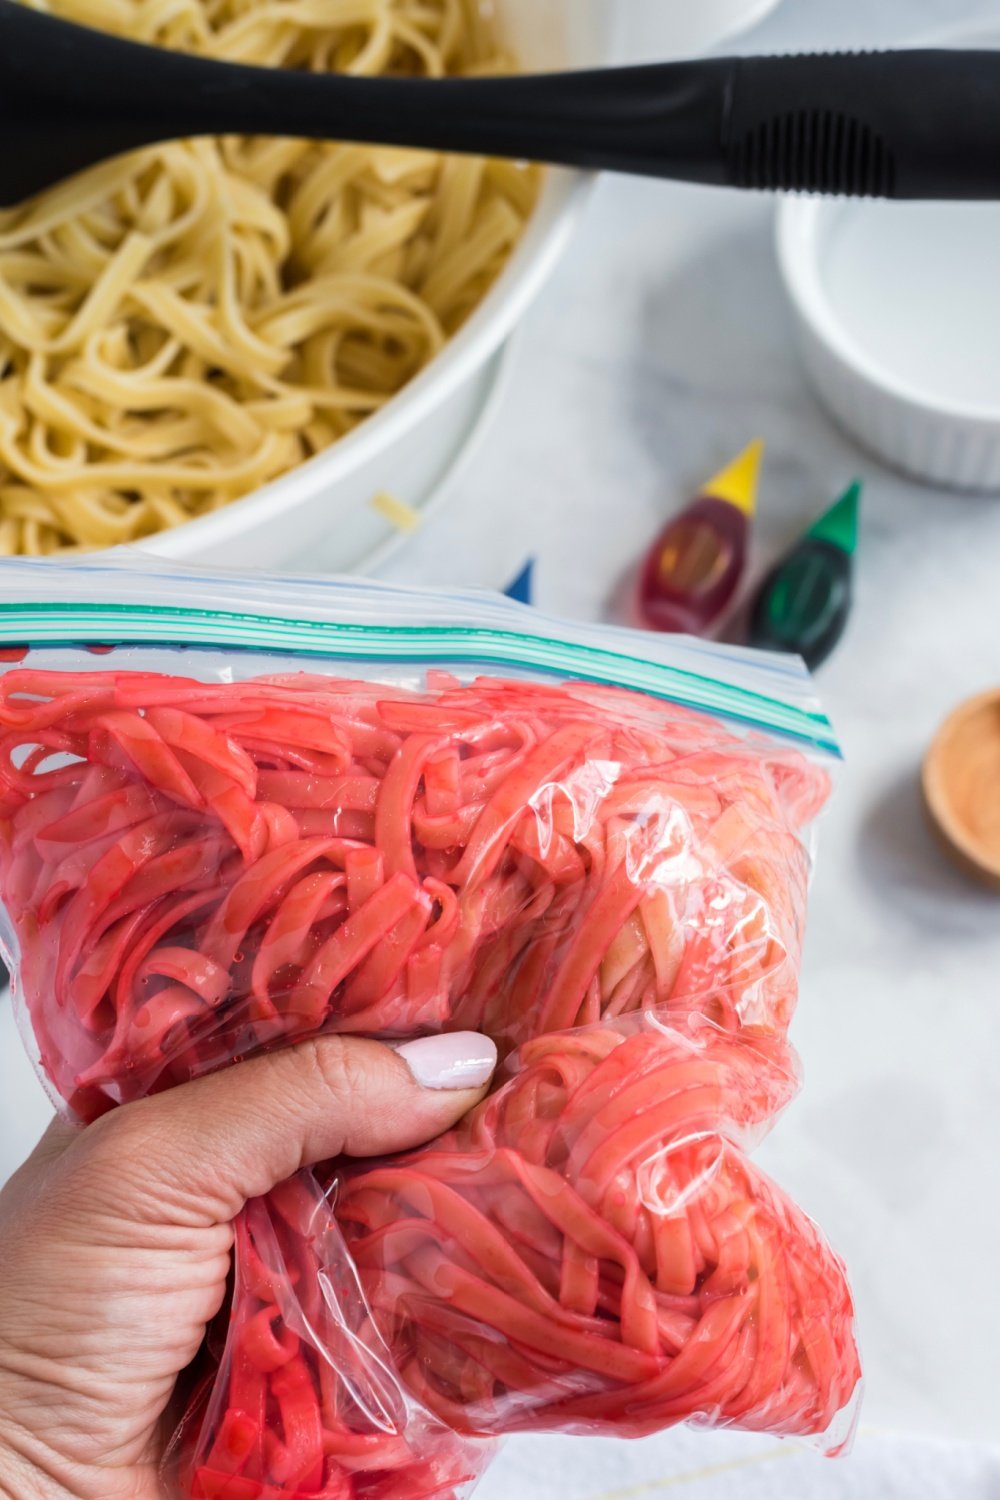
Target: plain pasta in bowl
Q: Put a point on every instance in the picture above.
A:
(180, 326)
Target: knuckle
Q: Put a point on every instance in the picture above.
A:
(124, 1135)
(115, 1154)
(343, 1070)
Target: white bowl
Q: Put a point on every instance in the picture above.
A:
(898, 323)
(321, 510)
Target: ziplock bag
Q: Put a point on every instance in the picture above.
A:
(315, 807)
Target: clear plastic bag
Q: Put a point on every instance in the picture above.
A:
(317, 807)
(301, 1398)
(590, 1251)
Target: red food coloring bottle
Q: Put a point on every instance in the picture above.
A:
(694, 569)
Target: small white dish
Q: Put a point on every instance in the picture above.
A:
(899, 325)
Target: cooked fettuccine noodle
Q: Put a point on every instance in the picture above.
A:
(179, 326)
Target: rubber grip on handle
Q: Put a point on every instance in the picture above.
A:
(914, 124)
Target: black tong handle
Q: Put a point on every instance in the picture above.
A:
(918, 124)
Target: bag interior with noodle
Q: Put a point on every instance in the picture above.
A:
(342, 807)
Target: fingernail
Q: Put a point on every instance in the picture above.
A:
(455, 1060)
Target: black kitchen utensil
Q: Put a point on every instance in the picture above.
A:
(916, 124)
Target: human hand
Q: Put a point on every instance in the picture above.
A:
(115, 1240)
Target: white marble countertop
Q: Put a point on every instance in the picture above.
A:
(661, 346)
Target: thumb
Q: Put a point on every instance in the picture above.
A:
(196, 1153)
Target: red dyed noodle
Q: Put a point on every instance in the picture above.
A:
(196, 872)
(305, 1401)
(201, 871)
(590, 1251)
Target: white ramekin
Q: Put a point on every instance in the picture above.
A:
(954, 443)
(949, 444)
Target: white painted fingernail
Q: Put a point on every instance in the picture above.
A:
(455, 1060)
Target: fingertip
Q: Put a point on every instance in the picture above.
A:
(452, 1061)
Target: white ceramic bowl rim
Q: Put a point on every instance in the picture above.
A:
(799, 228)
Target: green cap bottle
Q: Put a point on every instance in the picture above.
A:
(804, 602)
